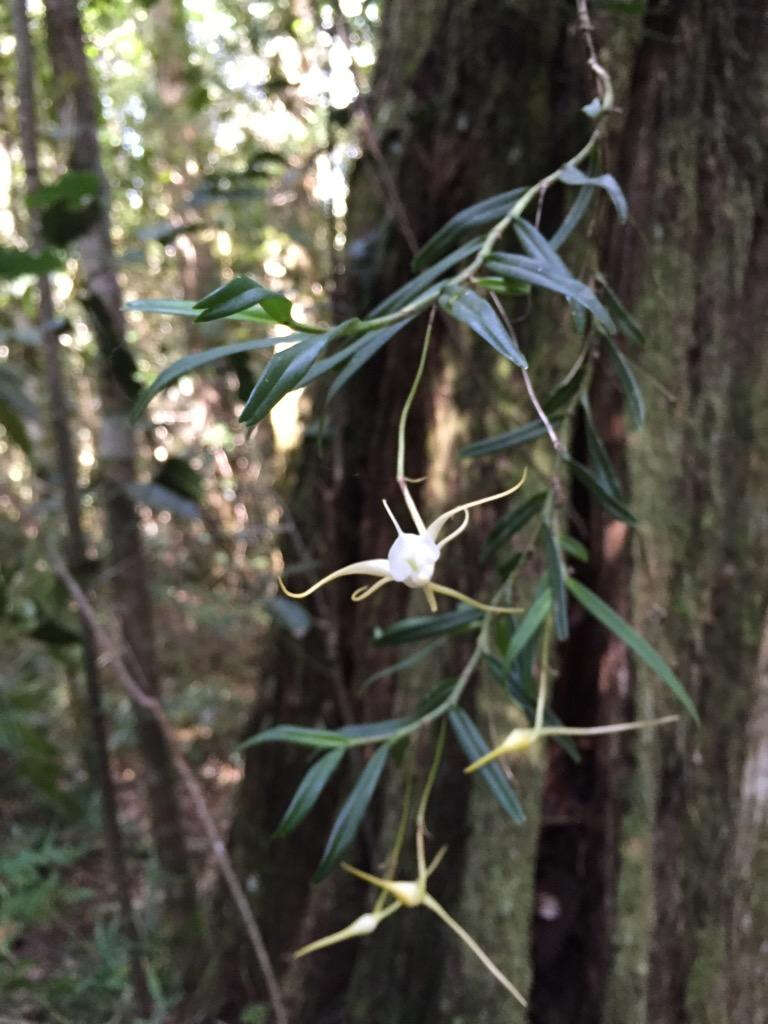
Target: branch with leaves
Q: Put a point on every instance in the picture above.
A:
(488, 253)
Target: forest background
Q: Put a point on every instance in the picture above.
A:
(315, 147)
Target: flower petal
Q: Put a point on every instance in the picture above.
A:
(364, 592)
(494, 609)
(363, 925)
(435, 527)
(371, 567)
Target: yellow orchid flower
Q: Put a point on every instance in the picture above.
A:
(412, 557)
(521, 739)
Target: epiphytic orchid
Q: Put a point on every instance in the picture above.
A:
(412, 557)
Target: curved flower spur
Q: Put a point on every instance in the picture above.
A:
(412, 557)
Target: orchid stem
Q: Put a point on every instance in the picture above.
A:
(400, 466)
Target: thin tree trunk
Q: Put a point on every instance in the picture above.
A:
(76, 104)
(76, 544)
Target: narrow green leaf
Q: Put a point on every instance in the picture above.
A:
(308, 792)
(15, 430)
(374, 341)
(556, 574)
(586, 477)
(621, 628)
(188, 364)
(500, 442)
(323, 739)
(607, 182)
(503, 285)
(351, 814)
(599, 459)
(472, 218)
(422, 627)
(538, 272)
(632, 392)
(186, 307)
(415, 658)
(417, 286)
(529, 624)
(573, 218)
(474, 746)
(482, 318)
(574, 548)
(512, 522)
(625, 322)
(15, 262)
(243, 293)
(562, 394)
(285, 371)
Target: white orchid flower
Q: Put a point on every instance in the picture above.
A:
(412, 558)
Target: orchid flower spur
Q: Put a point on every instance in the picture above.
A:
(412, 557)
(410, 894)
(521, 739)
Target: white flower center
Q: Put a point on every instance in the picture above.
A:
(412, 559)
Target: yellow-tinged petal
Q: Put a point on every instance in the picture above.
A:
(364, 592)
(494, 609)
(517, 740)
(363, 925)
(370, 567)
(431, 903)
(410, 894)
(436, 526)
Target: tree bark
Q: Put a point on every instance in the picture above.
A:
(77, 109)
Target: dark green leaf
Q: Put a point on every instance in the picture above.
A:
(417, 286)
(351, 814)
(529, 624)
(556, 574)
(399, 666)
(423, 627)
(622, 629)
(15, 430)
(374, 341)
(561, 396)
(243, 293)
(191, 363)
(284, 372)
(470, 309)
(308, 792)
(474, 746)
(599, 460)
(185, 307)
(632, 392)
(625, 322)
(586, 477)
(520, 435)
(573, 218)
(15, 262)
(323, 739)
(538, 272)
(513, 521)
(607, 182)
(574, 548)
(471, 219)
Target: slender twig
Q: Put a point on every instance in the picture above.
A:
(604, 84)
(110, 653)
